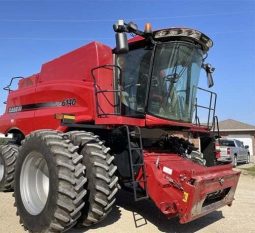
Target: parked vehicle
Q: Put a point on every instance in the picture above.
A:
(232, 151)
(87, 124)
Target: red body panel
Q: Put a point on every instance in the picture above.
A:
(152, 121)
(80, 91)
(63, 80)
(19, 120)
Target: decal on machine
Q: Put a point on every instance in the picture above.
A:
(15, 109)
(69, 102)
(167, 170)
(28, 107)
(185, 197)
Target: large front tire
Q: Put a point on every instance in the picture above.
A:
(102, 182)
(8, 155)
(49, 181)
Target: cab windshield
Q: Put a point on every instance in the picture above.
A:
(174, 80)
(169, 86)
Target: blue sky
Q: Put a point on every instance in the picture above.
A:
(35, 31)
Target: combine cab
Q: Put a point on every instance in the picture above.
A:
(97, 119)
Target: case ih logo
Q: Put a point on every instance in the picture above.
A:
(29, 107)
(15, 109)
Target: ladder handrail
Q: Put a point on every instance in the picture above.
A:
(141, 163)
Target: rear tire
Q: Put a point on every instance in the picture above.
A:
(49, 181)
(102, 183)
(8, 156)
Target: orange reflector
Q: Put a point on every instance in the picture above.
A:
(59, 116)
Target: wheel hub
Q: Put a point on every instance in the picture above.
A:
(34, 183)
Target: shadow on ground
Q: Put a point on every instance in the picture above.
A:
(147, 211)
(113, 217)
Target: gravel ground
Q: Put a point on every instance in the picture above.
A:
(238, 218)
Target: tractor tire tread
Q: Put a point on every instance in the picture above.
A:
(68, 207)
(8, 155)
(102, 182)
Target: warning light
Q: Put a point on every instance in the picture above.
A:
(148, 28)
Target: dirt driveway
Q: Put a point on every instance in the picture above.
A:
(239, 218)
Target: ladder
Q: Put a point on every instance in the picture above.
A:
(132, 132)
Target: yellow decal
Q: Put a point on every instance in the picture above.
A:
(185, 196)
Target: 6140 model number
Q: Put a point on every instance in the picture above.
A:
(69, 102)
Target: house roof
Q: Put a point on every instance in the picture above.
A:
(233, 125)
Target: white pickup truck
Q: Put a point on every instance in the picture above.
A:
(232, 151)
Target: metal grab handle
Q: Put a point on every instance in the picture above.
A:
(7, 88)
(98, 89)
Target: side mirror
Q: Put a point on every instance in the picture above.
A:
(246, 147)
(209, 70)
(121, 42)
(121, 37)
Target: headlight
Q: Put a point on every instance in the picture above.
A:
(185, 32)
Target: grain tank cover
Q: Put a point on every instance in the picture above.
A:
(76, 65)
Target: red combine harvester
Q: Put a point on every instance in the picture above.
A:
(97, 119)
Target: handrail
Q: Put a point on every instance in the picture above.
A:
(216, 120)
(211, 108)
(98, 90)
(7, 88)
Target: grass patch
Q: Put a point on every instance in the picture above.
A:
(250, 170)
